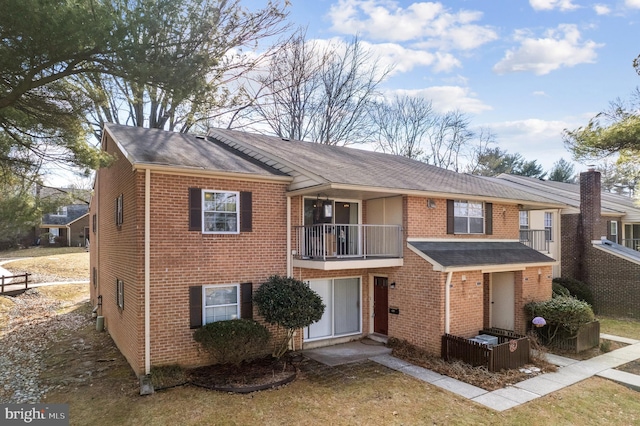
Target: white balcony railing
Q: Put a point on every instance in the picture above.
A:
(632, 243)
(535, 238)
(335, 241)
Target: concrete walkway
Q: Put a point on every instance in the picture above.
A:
(570, 371)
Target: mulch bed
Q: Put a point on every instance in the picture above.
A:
(476, 376)
(252, 376)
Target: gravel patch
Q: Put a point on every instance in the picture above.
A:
(33, 326)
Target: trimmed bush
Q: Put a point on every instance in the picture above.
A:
(562, 314)
(577, 289)
(560, 290)
(290, 304)
(233, 341)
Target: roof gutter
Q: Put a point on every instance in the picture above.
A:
(418, 193)
(199, 171)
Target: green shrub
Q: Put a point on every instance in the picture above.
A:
(577, 289)
(233, 341)
(562, 314)
(559, 290)
(290, 304)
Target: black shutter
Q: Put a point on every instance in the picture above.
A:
(246, 215)
(450, 217)
(609, 236)
(246, 301)
(195, 306)
(195, 209)
(488, 218)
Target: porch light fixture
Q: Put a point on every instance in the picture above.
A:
(431, 204)
(327, 206)
(539, 322)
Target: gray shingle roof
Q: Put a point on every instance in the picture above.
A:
(351, 166)
(463, 253)
(163, 148)
(569, 194)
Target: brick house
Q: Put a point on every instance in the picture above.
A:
(69, 224)
(599, 239)
(184, 228)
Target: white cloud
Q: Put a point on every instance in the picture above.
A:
(562, 5)
(540, 93)
(534, 139)
(448, 98)
(634, 4)
(602, 9)
(560, 47)
(401, 59)
(427, 23)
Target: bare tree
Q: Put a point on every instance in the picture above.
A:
(320, 93)
(196, 51)
(447, 138)
(402, 124)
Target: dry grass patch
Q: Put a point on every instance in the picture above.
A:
(40, 251)
(69, 294)
(477, 376)
(623, 327)
(57, 267)
(6, 304)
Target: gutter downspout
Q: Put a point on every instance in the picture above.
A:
(68, 235)
(289, 263)
(447, 303)
(147, 262)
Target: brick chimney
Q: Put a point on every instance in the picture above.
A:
(590, 206)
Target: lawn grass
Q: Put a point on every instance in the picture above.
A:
(69, 293)
(39, 252)
(53, 267)
(623, 327)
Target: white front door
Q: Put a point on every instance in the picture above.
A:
(503, 300)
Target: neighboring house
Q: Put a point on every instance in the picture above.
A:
(600, 239)
(69, 224)
(184, 228)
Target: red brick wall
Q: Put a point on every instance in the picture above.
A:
(423, 222)
(117, 254)
(530, 287)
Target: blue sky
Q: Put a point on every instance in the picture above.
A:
(527, 69)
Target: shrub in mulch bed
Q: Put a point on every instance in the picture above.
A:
(251, 376)
(477, 376)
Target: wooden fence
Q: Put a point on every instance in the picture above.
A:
(507, 354)
(13, 286)
(587, 337)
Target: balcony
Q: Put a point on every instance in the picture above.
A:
(632, 243)
(338, 246)
(535, 238)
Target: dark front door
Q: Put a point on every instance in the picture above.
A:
(380, 305)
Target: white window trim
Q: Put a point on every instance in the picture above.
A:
(614, 224)
(525, 215)
(120, 291)
(467, 217)
(237, 194)
(60, 212)
(204, 300)
(550, 226)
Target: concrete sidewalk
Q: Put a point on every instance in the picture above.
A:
(570, 371)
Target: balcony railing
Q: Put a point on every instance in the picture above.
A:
(632, 243)
(535, 238)
(335, 241)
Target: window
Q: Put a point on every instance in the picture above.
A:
(613, 231)
(62, 211)
(220, 303)
(119, 210)
(524, 226)
(94, 223)
(343, 308)
(94, 277)
(548, 226)
(220, 212)
(120, 293)
(468, 217)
